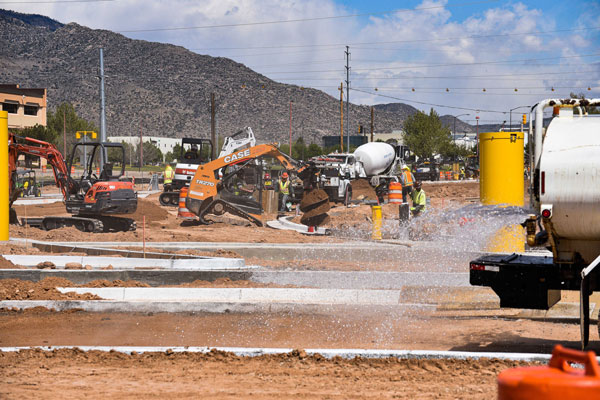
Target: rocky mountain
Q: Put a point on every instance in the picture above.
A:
(164, 90)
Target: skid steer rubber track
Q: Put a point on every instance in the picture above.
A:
(169, 199)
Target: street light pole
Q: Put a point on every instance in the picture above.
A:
(510, 116)
(454, 132)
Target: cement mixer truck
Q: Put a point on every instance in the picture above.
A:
(376, 161)
(565, 187)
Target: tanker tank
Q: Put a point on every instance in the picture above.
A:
(375, 157)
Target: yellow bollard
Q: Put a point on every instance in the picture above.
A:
(4, 172)
(377, 222)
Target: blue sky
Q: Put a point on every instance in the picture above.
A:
(458, 56)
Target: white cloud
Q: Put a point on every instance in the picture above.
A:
(398, 60)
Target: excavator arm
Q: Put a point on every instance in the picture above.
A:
(27, 145)
(206, 185)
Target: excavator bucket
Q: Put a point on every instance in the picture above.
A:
(315, 205)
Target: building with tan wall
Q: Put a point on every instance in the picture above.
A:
(25, 107)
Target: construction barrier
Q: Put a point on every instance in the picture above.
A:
(558, 381)
(395, 193)
(449, 175)
(377, 223)
(182, 211)
(441, 175)
(72, 169)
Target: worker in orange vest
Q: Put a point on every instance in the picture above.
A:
(406, 179)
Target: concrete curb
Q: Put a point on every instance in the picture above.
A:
(108, 306)
(284, 223)
(348, 251)
(327, 353)
(245, 295)
(131, 263)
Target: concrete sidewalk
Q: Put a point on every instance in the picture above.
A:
(206, 263)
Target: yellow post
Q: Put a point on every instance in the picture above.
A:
(377, 222)
(4, 173)
(501, 182)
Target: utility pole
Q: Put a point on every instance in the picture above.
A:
(341, 117)
(213, 127)
(102, 107)
(347, 52)
(141, 149)
(64, 134)
(290, 129)
(372, 121)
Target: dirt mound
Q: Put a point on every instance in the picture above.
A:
(15, 289)
(456, 190)
(153, 211)
(362, 190)
(5, 264)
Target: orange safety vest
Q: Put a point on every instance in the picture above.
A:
(408, 178)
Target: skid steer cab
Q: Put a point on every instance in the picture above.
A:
(96, 186)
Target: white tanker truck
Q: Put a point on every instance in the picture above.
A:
(375, 161)
(566, 198)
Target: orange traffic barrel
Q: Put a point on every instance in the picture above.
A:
(72, 169)
(395, 192)
(449, 175)
(441, 175)
(182, 211)
(558, 381)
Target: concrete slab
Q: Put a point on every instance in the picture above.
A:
(220, 263)
(246, 295)
(327, 353)
(359, 251)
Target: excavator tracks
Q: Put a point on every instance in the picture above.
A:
(169, 199)
(96, 224)
(219, 207)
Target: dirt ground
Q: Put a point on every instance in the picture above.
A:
(75, 374)
(162, 225)
(217, 375)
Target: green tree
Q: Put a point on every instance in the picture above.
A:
(64, 118)
(152, 154)
(425, 135)
(313, 150)
(45, 133)
(115, 156)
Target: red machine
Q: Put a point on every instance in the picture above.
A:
(88, 197)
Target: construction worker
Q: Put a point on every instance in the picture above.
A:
(419, 200)
(192, 153)
(168, 176)
(406, 179)
(285, 189)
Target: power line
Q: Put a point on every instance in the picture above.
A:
(430, 104)
(444, 65)
(400, 10)
(53, 1)
(534, 33)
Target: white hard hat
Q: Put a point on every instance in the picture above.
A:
(404, 166)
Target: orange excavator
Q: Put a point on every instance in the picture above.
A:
(91, 199)
(233, 184)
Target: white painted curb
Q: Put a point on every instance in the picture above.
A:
(327, 353)
(245, 295)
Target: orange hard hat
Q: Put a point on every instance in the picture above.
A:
(284, 175)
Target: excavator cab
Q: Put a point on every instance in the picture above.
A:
(97, 188)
